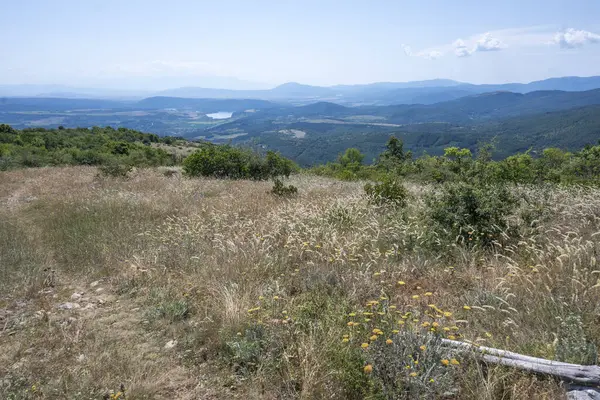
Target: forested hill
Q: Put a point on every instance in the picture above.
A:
(316, 133)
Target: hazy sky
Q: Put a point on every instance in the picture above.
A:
(159, 43)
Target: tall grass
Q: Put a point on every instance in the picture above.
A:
(257, 290)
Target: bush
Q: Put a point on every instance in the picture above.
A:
(234, 163)
(473, 214)
(572, 345)
(280, 189)
(245, 351)
(389, 191)
(411, 368)
(115, 170)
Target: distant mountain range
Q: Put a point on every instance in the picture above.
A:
(381, 93)
(313, 124)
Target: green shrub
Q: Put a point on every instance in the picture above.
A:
(389, 191)
(225, 161)
(280, 189)
(411, 367)
(168, 308)
(572, 345)
(472, 214)
(245, 351)
(115, 170)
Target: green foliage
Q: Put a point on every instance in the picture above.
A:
(168, 308)
(351, 160)
(38, 147)
(224, 161)
(4, 128)
(394, 157)
(572, 345)
(245, 351)
(282, 190)
(115, 170)
(389, 191)
(471, 214)
(403, 370)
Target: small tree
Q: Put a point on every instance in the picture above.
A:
(351, 160)
(394, 156)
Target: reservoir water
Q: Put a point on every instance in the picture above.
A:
(220, 115)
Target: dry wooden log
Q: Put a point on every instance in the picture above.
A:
(582, 393)
(586, 375)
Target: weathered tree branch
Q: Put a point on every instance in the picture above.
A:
(583, 380)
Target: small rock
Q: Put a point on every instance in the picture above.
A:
(170, 344)
(99, 290)
(81, 358)
(94, 284)
(69, 306)
(76, 296)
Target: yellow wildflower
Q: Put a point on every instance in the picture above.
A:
(401, 283)
(422, 347)
(413, 374)
(466, 308)
(389, 341)
(454, 361)
(445, 362)
(373, 338)
(428, 294)
(447, 314)
(345, 340)
(368, 369)
(416, 296)
(395, 331)
(364, 345)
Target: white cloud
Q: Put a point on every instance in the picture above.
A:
(461, 49)
(485, 42)
(488, 43)
(432, 55)
(572, 38)
(427, 54)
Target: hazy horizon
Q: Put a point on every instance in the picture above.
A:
(154, 45)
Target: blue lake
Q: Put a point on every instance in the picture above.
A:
(220, 115)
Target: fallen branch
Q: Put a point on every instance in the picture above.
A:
(583, 380)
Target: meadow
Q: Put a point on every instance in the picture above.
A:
(159, 286)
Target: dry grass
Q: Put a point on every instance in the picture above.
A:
(184, 260)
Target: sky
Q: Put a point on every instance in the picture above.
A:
(244, 44)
